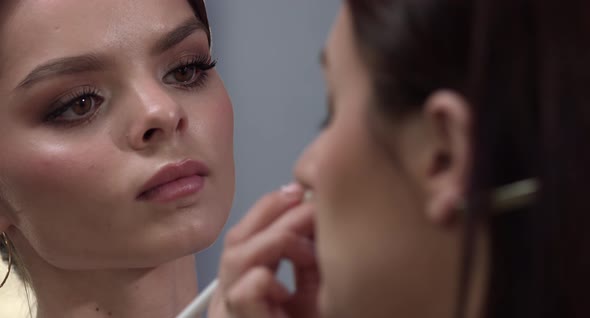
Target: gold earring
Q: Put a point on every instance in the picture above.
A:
(9, 249)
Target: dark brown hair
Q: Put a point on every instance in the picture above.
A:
(524, 67)
(201, 13)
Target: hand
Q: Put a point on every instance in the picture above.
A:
(279, 226)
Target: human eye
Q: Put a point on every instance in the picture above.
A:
(191, 72)
(75, 108)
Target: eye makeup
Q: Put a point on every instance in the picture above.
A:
(191, 72)
(76, 107)
(81, 105)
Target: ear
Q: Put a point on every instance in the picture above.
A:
(448, 164)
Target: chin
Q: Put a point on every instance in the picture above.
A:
(197, 235)
(181, 243)
(196, 229)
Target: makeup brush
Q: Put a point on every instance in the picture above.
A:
(200, 304)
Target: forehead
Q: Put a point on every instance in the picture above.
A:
(38, 30)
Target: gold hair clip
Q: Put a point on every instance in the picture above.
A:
(513, 196)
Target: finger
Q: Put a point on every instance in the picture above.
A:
(299, 220)
(304, 301)
(286, 238)
(307, 276)
(256, 295)
(264, 212)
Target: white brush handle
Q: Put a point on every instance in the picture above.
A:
(199, 305)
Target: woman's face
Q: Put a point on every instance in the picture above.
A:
(97, 98)
(378, 251)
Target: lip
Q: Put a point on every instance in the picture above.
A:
(174, 181)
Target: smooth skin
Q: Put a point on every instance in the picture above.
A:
(126, 95)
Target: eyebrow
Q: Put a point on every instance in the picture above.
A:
(93, 63)
(174, 37)
(63, 66)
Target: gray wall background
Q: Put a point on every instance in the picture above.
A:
(268, 57)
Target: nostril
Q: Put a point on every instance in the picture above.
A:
(148, 134)
(181, 125)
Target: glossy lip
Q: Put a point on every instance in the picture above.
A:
(174, 175)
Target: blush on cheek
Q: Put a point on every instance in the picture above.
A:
(225, 116)
(213, 125)
(47, 170)
(223, 113)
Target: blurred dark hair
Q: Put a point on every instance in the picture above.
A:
(201, 13)
(524, 67)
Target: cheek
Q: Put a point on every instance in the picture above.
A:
(53, 168)
(212, 118)
(211, 125)
(340, 175)
(52, 185)
(221, 125)
(370, 234)
(360, 204)
(51, 181)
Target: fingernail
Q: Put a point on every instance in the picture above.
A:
(292, 189)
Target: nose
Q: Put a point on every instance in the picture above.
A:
(157, 118)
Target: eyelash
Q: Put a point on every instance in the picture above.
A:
(202, 64)
(67, 102)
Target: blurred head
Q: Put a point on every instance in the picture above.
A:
(433, 104)
(98, 98)
(384, 190)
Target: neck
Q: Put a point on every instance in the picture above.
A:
(162, 291)
(475, 305)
